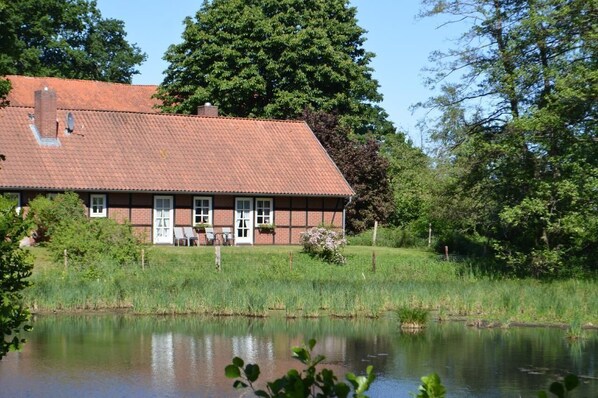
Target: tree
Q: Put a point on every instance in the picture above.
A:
(363, 167)
(520, 126)
(413, 180)
(273, 58)
(15, 267)
(64, 38)
(5, 87)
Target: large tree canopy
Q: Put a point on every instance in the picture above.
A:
(274, 58)
(520, 127)
(364, 168)
(64, 38)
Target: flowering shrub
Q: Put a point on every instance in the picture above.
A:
(324, 243)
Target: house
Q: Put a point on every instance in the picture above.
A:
(108, 143)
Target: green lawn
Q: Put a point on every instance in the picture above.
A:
(259, 281)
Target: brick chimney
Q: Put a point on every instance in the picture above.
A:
(208, 110)
(45, 113)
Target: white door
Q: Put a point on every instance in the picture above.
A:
(163, 221)
(244, 220)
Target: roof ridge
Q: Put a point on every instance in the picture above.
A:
(174, 115)
(80, 80)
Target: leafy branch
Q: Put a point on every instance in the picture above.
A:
(309, 383)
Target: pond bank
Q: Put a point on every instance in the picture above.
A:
(255, 281)
(472, 323)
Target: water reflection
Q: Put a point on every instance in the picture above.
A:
(121, 355)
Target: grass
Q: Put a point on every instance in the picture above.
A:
(412, 318)
(261, 281)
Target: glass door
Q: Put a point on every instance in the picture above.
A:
(163, 213)
(244, 221)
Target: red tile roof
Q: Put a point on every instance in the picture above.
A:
(125, 151)
(85, 94)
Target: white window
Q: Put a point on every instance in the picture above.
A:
(15, 197)
(97, 205)
(264, 213)
(202, 210)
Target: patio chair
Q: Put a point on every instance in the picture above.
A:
(179, 235)
(191, 237)
(210, 236)
(227, 236)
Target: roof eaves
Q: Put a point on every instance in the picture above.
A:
(223, 192)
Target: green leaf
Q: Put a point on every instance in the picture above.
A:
(431, 387)
(276, 386)
(362, 384)
(252, 372)
(352, 379)
(342, 390)
(301, 354)
(317, 360)
(238, 362)
(371, 376)
(557, 389)
(571, 382)
(292, 373)
(232, 372)
(238, 384)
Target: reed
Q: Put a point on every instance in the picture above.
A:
(257, 281)
(575, 331)
(412, 318)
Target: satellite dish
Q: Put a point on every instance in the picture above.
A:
(70, 122)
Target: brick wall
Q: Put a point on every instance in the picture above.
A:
(292, 215)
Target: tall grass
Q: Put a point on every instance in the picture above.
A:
(258, 281)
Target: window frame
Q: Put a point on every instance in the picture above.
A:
(17, 196)
(104, 212)
(210, 210)
(261, 208)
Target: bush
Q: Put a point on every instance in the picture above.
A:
(463, 244)
(92, 241)
(49, 214)
(62, 222)
(15, 268)
(324, 243)
(406, 236)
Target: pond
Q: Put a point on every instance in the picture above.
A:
(184, 356)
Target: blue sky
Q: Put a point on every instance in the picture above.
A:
(401, 43)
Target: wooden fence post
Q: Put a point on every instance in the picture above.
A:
(375, 233)
(374, 262)
(66, 261)
(446, 255)
(430, 235)
(218, 264)
(143, 259)
(291, 261)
